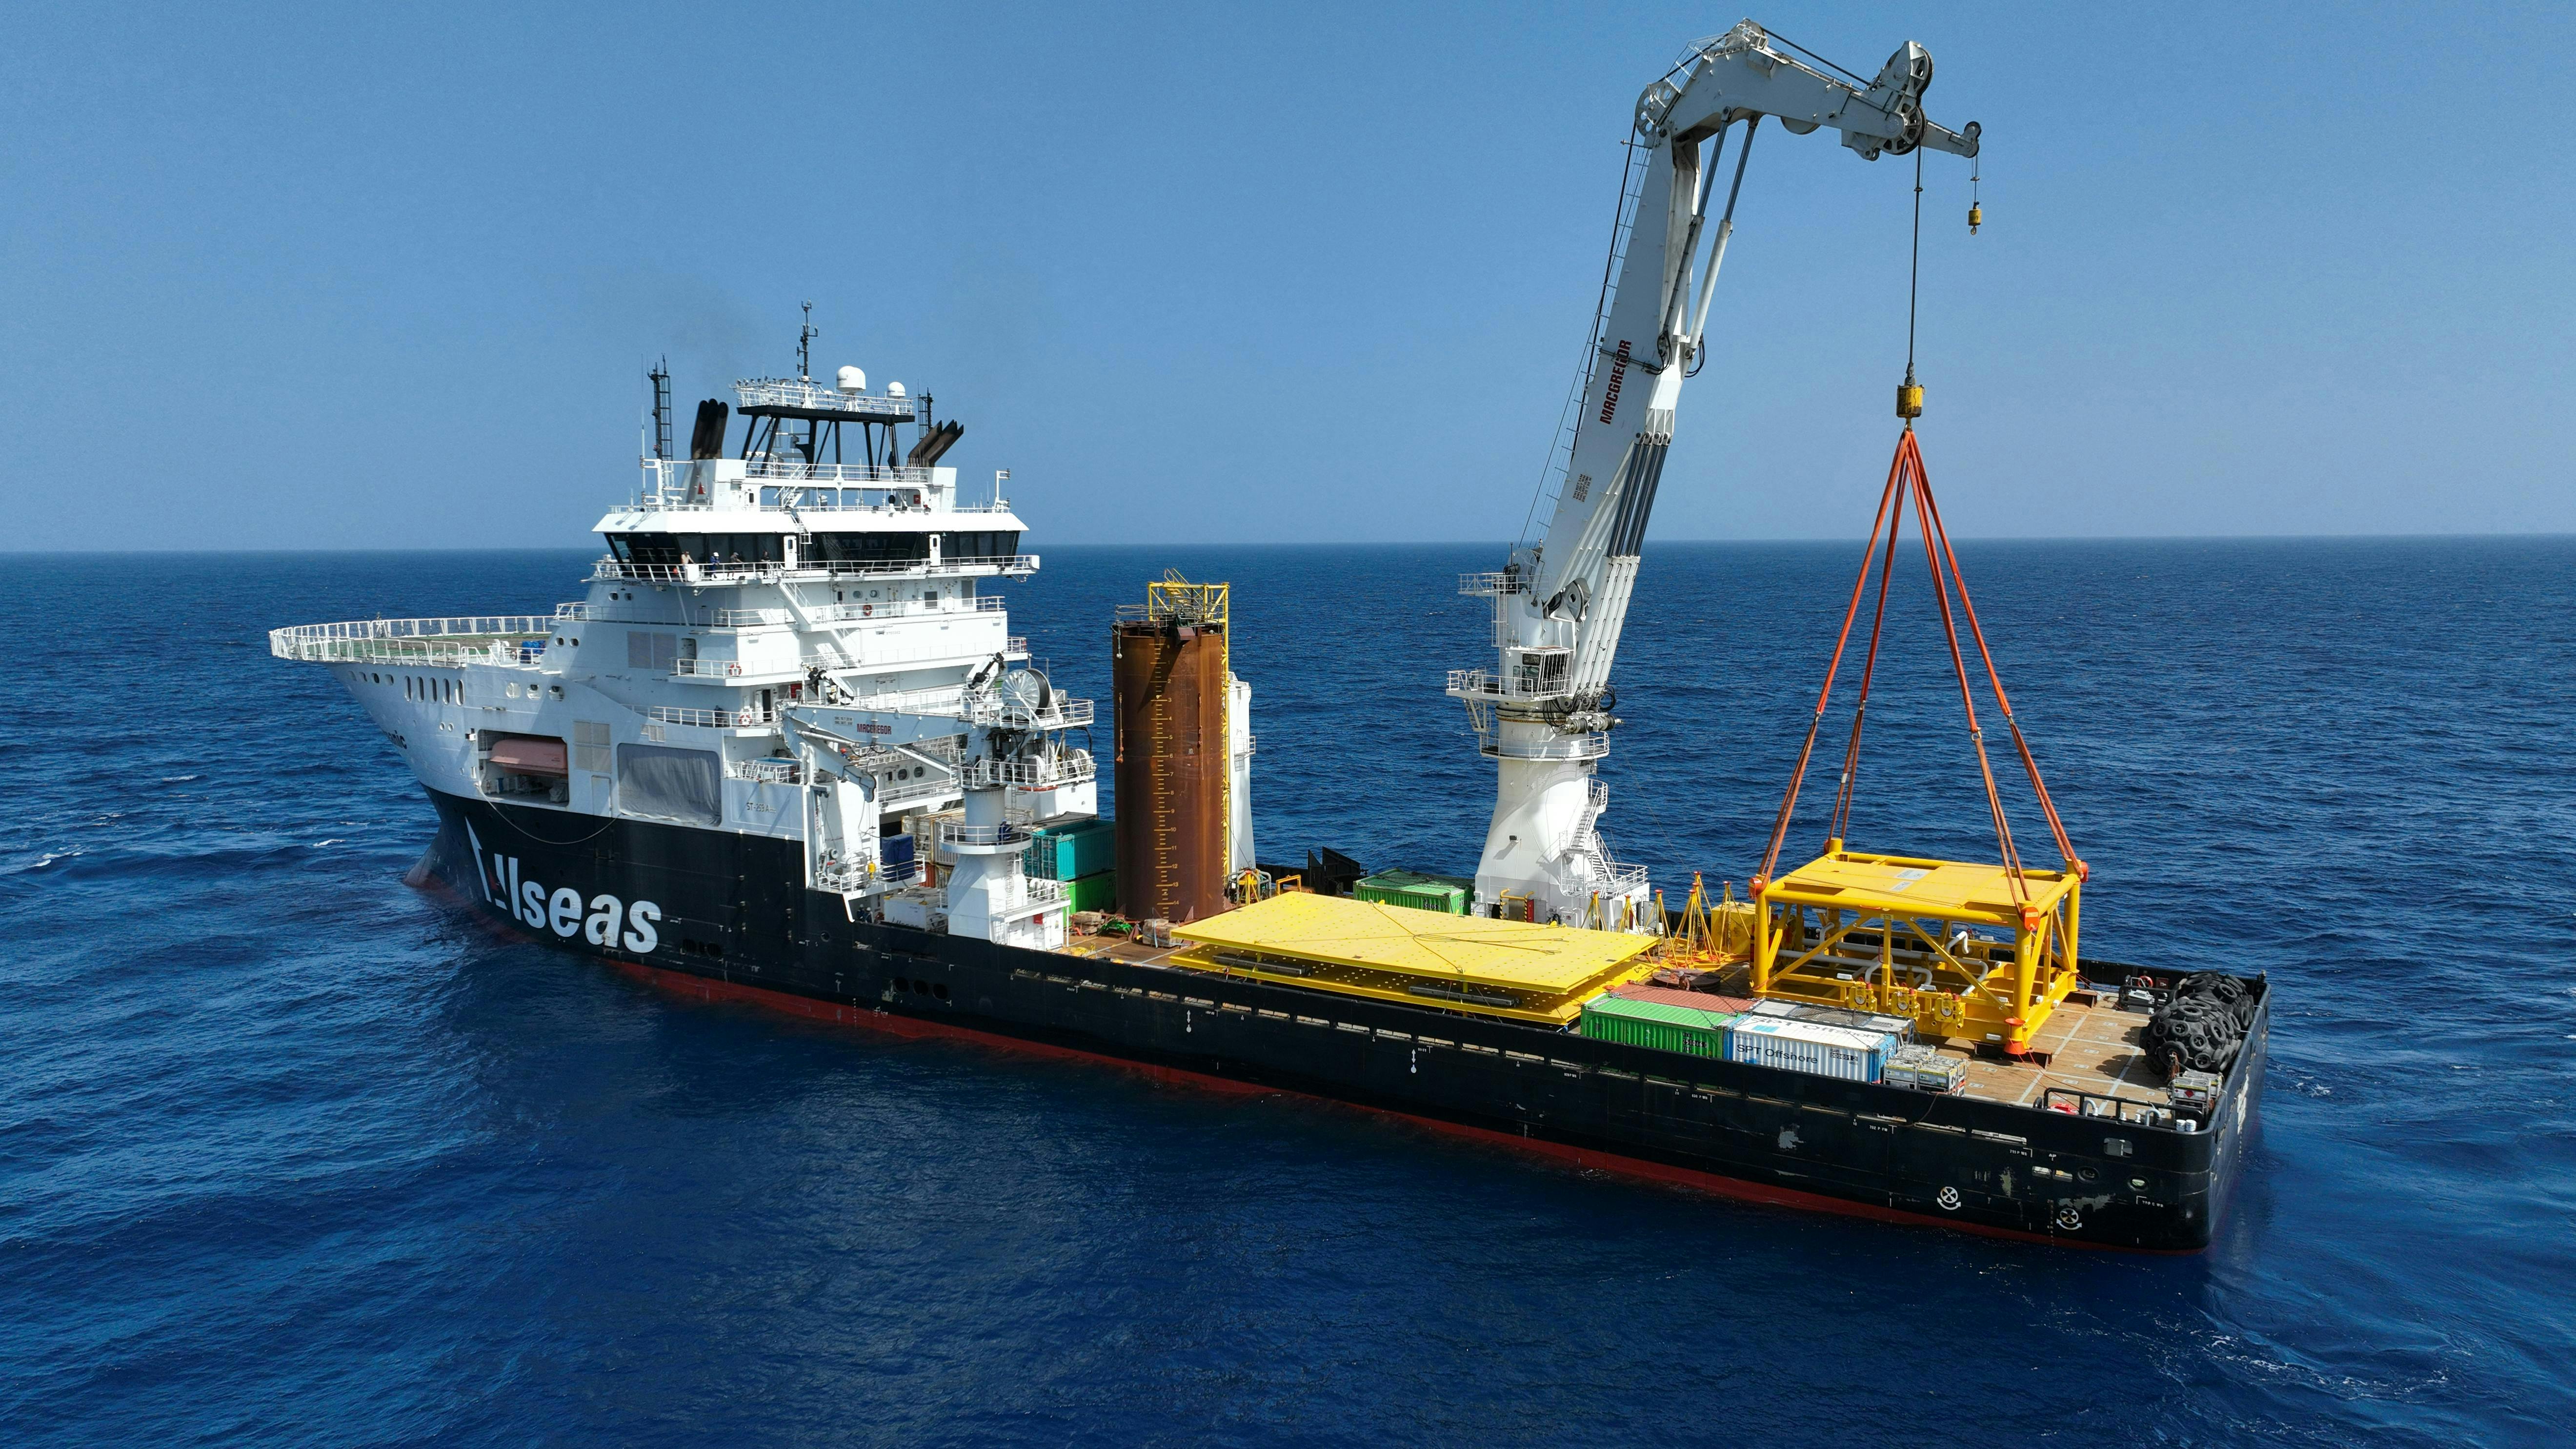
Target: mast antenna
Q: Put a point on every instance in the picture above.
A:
(805, 344)
(660, 377)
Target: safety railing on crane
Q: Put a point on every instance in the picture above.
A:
(1074, 767)
(1558, 747)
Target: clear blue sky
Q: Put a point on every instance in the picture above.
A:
(390, 276)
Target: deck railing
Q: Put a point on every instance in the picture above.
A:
(750, 716)
(504, 640)
(798, 392)
(1563, 747)
(958, 832)
(1484, 683)
(610, 567)
(1072, 768)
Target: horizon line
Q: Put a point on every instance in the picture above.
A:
(1390, 543)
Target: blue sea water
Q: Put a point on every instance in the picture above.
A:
(293, 1154)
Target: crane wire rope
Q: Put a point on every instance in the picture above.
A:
(1909, 483)
(1914, 275)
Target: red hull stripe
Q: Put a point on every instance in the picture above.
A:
(683, 984)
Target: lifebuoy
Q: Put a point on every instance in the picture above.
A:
(866, 609)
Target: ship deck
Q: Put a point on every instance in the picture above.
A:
(2094, 1049)
(2091, 1048)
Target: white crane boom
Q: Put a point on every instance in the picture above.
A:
(1559, 604)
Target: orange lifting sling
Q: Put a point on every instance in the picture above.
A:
(1907, 484)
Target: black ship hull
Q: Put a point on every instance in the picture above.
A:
(725, 915)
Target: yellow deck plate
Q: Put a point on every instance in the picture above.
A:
(1859, 881)
(1466, 950)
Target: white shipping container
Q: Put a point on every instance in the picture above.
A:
(1808, 1046)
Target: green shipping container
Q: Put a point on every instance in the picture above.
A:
(1075, 849)
(1097, 892)
(1418, 892)
(1653, 1024)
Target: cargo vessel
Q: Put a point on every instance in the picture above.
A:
(787, 749)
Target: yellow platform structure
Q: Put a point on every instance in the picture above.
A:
(1423, 958)
(1896, 934)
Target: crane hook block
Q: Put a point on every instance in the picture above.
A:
(1976, 217)
(1909, 398)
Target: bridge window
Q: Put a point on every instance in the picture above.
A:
(997, 543)
(870, 547)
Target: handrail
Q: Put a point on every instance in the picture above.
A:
(1466, 682)
(1073, 768)
(958, 832)
(508, 640)
(793, 471)
(798, 392)
(611, 568)
(482, 625)
(750, 716)
(1564, 747)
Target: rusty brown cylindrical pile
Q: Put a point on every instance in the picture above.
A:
(1170, 775)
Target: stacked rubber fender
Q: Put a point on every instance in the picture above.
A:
(2202, 1026)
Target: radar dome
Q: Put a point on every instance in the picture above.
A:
(853, 380)
(894, 389)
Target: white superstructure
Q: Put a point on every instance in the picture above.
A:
(1543, 714)
(792, 641)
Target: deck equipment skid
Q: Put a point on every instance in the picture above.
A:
(1914, 938)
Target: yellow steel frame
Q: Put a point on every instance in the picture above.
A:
(1712, 933)
(1172, 599)
(1847, 929)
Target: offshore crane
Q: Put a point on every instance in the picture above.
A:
(1544, 715)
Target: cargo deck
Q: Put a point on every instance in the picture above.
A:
(2091, 1048)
